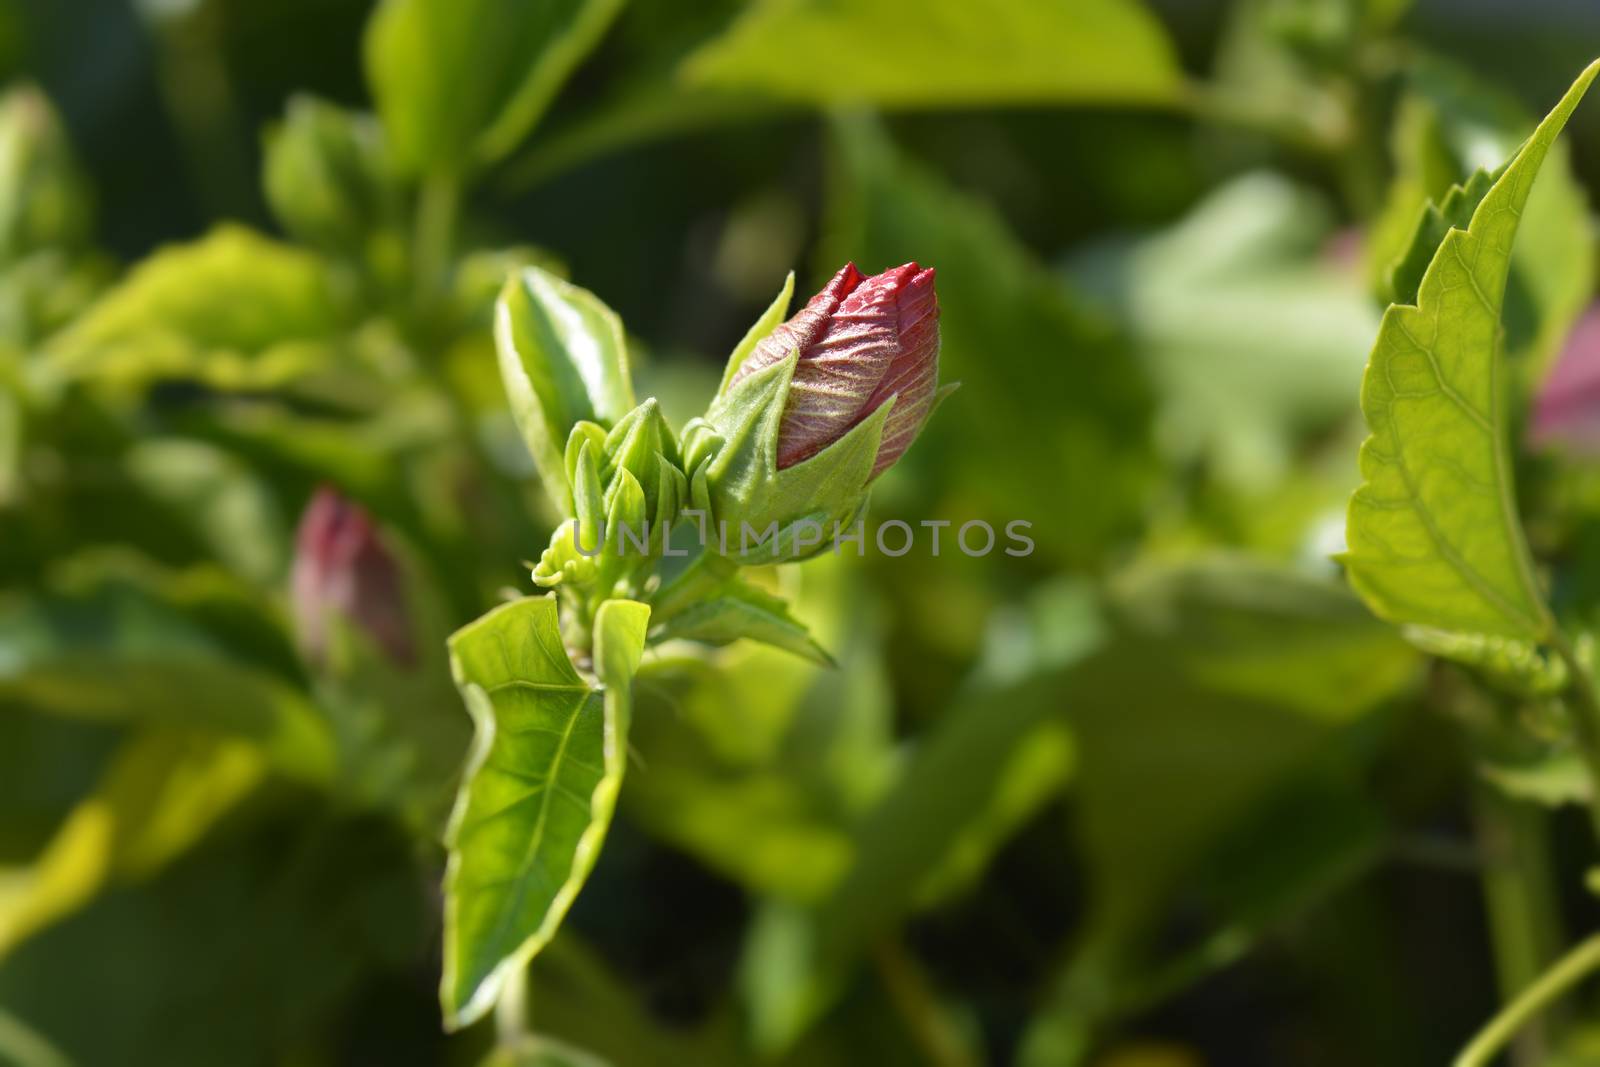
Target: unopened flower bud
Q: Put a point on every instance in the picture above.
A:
(860, 341)
(342, 569)
(812, 412)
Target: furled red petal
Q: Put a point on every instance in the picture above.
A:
(341, 567)
(804, 327)
(860, 341)
(913, 377)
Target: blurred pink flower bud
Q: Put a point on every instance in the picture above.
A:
(1567, 409)
(861, 341)
(342, 568)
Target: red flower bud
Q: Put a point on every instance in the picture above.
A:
(861, 341)
(341, 567)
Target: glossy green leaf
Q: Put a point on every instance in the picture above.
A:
(949, 53)
(1434, 535)
(460, 82)
(563, 359)
(539, 790)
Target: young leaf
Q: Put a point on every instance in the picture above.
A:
(1433, 531)
(738, 610)
(539, 790)
(563, 359)
(460, 82)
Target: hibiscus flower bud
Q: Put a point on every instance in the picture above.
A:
(812, 410)
(860, 341)
(342, 569)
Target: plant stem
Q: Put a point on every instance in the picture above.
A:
(1585, 716)
(511, 1011)
(437, 204)
(1520, 900)
(919, 1008)
(1567, 972)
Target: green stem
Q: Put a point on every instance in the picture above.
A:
(919, 1008)
(1567, 972)
(511, 1011)
(437, 204)
(1519, 897)
(1585, 716)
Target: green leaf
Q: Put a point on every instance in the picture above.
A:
(539, 790)
(161, 794)
(1451, 125)
(563, 359)
(740, 610)
(945, 53)
(232, 310)
(1433, 532)
(125, 656)
(328, 178)
(460, 82)
(321, 904)
(921, 833)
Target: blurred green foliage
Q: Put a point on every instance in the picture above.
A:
(1160, 792)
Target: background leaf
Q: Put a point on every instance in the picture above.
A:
(460, 82)
(951, 53)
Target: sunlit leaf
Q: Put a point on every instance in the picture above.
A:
(950, 53)
(539, 791)
(1434, 534)
(233, 310)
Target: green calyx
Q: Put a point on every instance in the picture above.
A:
(735, 480)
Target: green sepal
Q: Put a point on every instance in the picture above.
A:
(700, 442)
(742, 481)
(627, 515)
(588, 498)
(770, 320)
(672, 491)
(583, 431)
(741, 610)
(638, 444)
